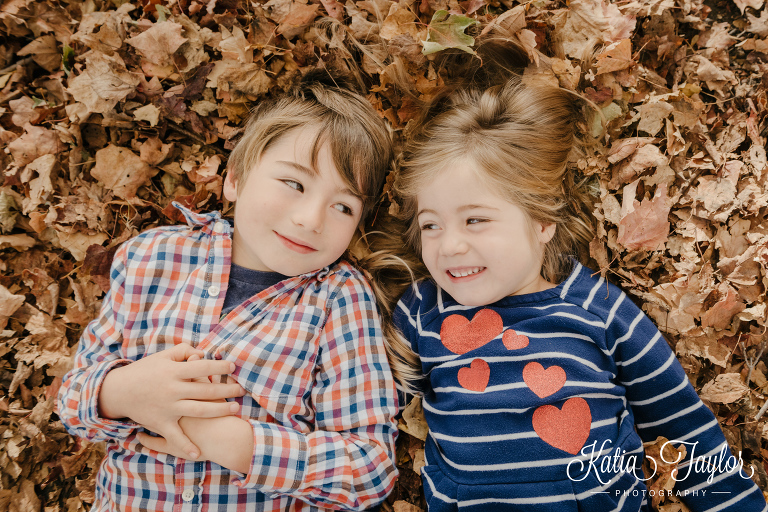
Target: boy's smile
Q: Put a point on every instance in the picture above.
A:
(292, 216)
(478, 246)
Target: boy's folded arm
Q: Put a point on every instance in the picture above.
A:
(665, 404)
(102, 398)
(98, 353)
(348, 460)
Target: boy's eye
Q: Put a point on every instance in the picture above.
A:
(346, 210)
(295, 185)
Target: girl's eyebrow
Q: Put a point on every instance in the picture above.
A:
(460, 208)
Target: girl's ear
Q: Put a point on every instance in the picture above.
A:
(230, 187)
(545, 232)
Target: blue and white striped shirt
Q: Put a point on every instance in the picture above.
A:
(544, 400)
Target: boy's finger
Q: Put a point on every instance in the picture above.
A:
(175, 436)
(204, 368)
(204, 380)
(182, 352)
(201, 409)
(157, 444)
(209, 391)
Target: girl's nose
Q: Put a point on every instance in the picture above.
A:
(453, 243)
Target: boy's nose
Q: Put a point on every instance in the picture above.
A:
(310, 216)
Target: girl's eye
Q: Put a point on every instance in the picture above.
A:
(295, 185)
(476, 220)
(427, 226)
(346, 210)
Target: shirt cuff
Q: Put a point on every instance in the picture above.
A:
(104, 429)
(280, 459)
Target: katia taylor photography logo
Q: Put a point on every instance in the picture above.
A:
(606, 462)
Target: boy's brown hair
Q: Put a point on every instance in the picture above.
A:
(360, 144)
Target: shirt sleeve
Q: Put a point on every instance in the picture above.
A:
(405, 314)
(348, 461)
(665, 404)
(98, 352)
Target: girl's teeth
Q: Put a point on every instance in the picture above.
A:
(465, 273)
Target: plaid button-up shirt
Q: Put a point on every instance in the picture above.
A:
(309, 352)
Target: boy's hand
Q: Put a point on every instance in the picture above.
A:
(157, 390)
(227, 441)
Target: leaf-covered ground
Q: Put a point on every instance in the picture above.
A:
(110, 110)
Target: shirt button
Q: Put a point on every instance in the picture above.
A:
(213, 290)
(219, 226)
(187, 495)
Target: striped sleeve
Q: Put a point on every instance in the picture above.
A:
(348, 460)
(99, 351)
(406, 313)
(665, 404)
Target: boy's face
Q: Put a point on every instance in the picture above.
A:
(477, 246)
(292, 218)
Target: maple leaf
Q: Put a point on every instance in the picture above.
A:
(726, 388)
(121, 170)
(644, 225)
(104, 82)
(44, 52)
(615, 57)
(158, 43)
(36, 142)
(399, 21)
(447, 31)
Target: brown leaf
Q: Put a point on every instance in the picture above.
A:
(121, 171)
(104, 82)
(44, 52)
(720, 315)
(726, 388)
(298, 19)
(35, 142)
(652, 116)
(413, 416)
(644, 225)
(240, 80)
(9, 303)
(615, 57)
(399, 21)
(159, 43)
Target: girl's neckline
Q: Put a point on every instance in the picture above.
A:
(526, 298)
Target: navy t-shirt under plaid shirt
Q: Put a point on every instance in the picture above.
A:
(532, 404)
(321, 398)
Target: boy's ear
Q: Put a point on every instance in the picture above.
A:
(545, 232)
(230, 187)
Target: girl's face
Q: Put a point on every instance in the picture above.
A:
(291, 217)
(477, 246)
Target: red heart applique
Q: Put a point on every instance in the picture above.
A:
(514, 341)
(566, 428)
(543, 382)
(459, 335)
(475, 378)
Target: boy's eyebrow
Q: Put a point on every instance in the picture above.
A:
(314, 173)
(306, 170)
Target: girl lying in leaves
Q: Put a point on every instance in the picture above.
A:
(540, 379)
(270, 302)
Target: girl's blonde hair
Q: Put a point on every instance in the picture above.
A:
(521, 138)
(360, 143)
